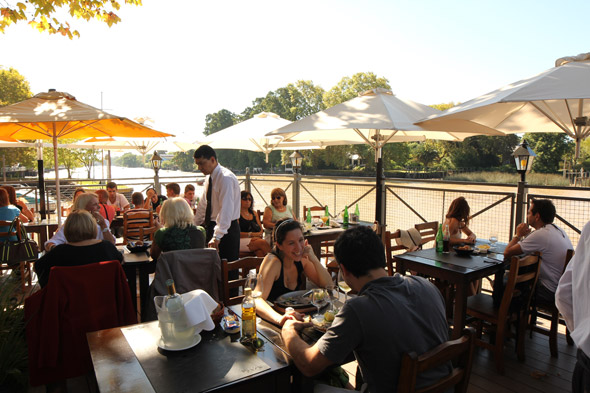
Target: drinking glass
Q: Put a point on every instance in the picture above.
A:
(344, 287)
(324, 220)
(493, 238)
(254, 282)
(319, 298)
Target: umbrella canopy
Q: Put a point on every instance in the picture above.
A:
(375, 117)
(556, 100)
(55, 115)
(251, 135)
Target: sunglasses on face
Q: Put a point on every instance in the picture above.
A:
(246, 199)
(277, 197)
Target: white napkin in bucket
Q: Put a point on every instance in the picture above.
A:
(199, 306)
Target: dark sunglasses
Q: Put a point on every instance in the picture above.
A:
(277, 197)
(246, 198)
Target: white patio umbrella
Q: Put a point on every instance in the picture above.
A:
(55, 115)
(555, 100)
(375, 117)
(251, 135)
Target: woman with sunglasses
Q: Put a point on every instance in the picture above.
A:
(250, 228)
(286, 268)
(277, 210)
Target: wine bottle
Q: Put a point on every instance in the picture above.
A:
(357, 213)
(345, 218)
(248, 316)
(439, 239)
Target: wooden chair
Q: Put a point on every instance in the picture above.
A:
(242, 266)
(551, 313)
(459, 350)
(427, 230)
(321, 209)
(390, 247)
(134, 220)
(23, 267)
(516, 300)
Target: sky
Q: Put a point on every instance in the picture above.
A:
(175, 61)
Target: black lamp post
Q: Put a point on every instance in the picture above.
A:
(523, 157)
(156, 161)
(296, 162)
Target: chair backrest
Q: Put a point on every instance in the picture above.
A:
(133, 220)
(391, 246)
(568, 256)
(191, 269)
(522, 279)
(427, 230)
(242, 266)
(459, 350)
(14, 232)
(313, 209)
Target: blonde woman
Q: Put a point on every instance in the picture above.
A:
(176, 230)
(89, 202)
(82, 246)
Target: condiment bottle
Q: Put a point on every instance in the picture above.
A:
(248, 316)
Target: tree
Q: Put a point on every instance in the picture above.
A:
(49, 15)
(15, 88)
(550, 148)
(129, 160)
(87, 157)
(184, 160)
(350, 87)
(481, 151)
(218, 121)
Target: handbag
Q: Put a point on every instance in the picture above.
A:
(21, 250)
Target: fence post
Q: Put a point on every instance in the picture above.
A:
(247, 185)
(296, 183)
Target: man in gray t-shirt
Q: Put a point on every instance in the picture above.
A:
(389, 317)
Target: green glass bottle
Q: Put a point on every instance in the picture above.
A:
(439, 239)
(345, 218)
(326, 218)
(308, 219)
(357, 213)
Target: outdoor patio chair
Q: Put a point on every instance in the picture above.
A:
(460, 351)
(427, 231)
(551, 313)
(133, 221)
(242, 266)
(23, 267)
(516, 300)
(320, 210)
(391, 246)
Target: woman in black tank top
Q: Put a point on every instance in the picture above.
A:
(286, 268)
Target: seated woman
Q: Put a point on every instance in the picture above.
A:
(26, 214)
(82, 247)
(88, 202)
(277, 210)
(8, 212)
(250, 228)
(286, 268)
(457, 219)
(176, 231)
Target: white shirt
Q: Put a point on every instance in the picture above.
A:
(225, 201)
(120, 201)
(553, 243)
(60, 238)
(573, 293)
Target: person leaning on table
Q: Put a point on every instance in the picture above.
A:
(572, 302)
(88, 202)
(82, 247)
(389, 317)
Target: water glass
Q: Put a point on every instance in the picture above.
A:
(319, 298)
(344, 287)
(254, 282)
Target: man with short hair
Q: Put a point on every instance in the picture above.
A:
(219, 209)
(172, 190)
(106, 210)
(116, 199)
(189, 195)
(547, 238)
(137, 200)
(391, 315)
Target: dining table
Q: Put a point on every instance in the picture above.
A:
(44, 229)
(456, 270)
(129, 359)
(317, 235)
(137, 267)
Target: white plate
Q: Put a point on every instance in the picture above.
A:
(197, 339)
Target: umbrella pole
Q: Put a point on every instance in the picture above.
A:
(380, 189)
(57, 193)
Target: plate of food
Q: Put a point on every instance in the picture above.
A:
(299, 300)
(322, 322)
(463, 250)
(483, 248)
(138, 246)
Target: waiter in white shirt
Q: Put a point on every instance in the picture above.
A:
(572, 300)
(219, 209)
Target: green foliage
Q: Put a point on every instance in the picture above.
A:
(13, 344)
(128, 160)
(551, 149)
(218, 121)
(50, 15)
(13, 87)
(184, 160)
(481, 151)
(444, 106)
(350, 87)
(510, 178)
